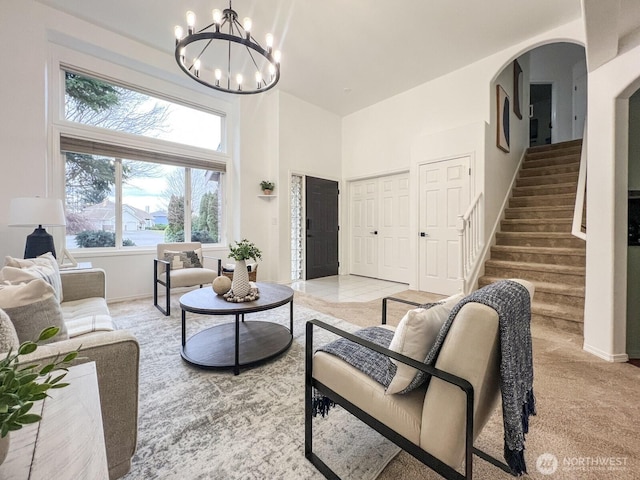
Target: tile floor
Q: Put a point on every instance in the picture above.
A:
(348, 288)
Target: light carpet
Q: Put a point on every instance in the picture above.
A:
(206, 424)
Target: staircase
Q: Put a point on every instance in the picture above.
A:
(535, 241)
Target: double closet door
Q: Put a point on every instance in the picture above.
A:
(379, 224)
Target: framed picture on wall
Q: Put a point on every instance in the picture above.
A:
(518, 85)
(503, 118)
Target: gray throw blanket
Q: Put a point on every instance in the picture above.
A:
(512, 303)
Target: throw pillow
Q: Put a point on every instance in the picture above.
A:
(32, 307)
(8, 336)
(187, 259)
(45, 266)
(415, 335)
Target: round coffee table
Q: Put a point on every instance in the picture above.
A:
(236, 344)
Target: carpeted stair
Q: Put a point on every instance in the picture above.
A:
(535, 241)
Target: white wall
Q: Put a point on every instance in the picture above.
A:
(379, 139)
(555, 64)
(280, 135)
(610, 87)
(257, 161)
(500, 167)
(310, 144)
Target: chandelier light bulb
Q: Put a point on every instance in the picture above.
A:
(239, 80)
(217, 16)
(277, 55)
(191, 21)
(272, 70)
(246, 24)
(269, 42)
(196, 67)
(178, 31)
(182, 54)
(218, 74)
(259, 79)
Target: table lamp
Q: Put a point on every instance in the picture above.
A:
(29, 212)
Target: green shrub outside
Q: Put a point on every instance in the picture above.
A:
(99, 238)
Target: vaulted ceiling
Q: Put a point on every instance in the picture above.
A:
(345, 55)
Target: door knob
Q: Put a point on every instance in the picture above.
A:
(375, 232)
(424, 234)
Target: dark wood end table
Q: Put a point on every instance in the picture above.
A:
(236, 344)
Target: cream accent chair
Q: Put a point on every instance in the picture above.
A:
(438, 424)
(170, 278)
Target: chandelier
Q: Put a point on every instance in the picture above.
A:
(236, 62)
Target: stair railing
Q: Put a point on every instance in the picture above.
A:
(470, 238)
(578, 209)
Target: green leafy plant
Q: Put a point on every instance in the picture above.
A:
(244, 250)
(21, 386)
(267, 185)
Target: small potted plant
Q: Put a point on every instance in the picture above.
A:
(243, 251)
(22, 385)
(267, 187)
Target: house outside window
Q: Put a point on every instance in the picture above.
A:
(122, 188)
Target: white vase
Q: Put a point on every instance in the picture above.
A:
(240, 284)
(4, 448)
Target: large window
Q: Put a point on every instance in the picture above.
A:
(90, 101)
(123, 193)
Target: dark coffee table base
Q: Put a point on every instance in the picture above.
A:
(258, 342)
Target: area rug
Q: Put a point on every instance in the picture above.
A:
(204, 424)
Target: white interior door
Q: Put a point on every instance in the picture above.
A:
(393, 230)
(364, 227)
(444, 194)
(579, 105)
(380, 227)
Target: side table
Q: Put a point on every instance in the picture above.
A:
(68, 443)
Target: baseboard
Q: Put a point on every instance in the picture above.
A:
(616, 357)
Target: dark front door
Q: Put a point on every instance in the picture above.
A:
(321, 227)
(541, 110)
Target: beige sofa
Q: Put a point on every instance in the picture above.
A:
(433, 419)
(116, 354)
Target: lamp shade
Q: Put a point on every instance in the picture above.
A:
(33, 211)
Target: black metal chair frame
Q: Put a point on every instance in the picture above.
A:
(167, 283)
(425, 457)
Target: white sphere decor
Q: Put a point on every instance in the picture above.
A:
(221, 285)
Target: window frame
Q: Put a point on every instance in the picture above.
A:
(61, 59)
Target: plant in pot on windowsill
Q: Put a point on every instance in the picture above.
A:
(243, 251)
(22, 385)
(267, 187)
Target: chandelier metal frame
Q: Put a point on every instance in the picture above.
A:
(236, 34)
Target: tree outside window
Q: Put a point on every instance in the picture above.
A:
(152, 194)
